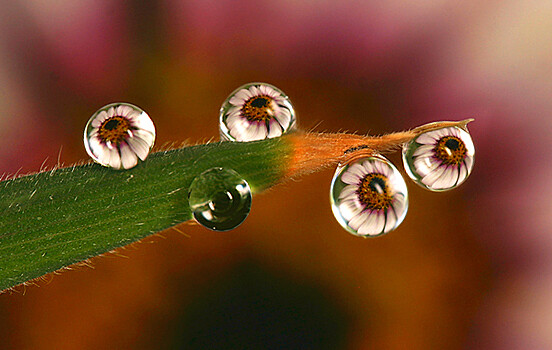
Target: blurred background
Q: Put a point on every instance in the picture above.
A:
(467, 269)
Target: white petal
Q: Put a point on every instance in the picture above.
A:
(104, 156)
(455, 174)
(463, 173)
(123, 110)
(139, 147)
(143, 121)
(110, 112)
(383, 168)
(388, 171)
(281, 101)
(254, 91)
(145, 136)
(428, 138)
(114, 158)
(232, 119)
(233, 111)
(275, 129)
(96, 148)
(424, 151)
(135, 114)
(353, 175)
(265, 90)
(283, 116)
(240, 97)
(375, 167)
(235, 120)
(94, 142)
(442, 132)
(391, 221)
(99, 119)
(128, 157)
(364, 228)
(469, 162)
(454, 132)
(369, 167)
(253, 132)
(432, 177)
(237, 101)
(349, 209)
(380, 224)
(262, 90)
(470, 148)
(261, 131)
(425, 165)
(399, 204)
(270, 91)
(446, 180)
(358, 220)
(373, 225)
(358, 169)
(249, 133)
(240, 128)
(348, 191)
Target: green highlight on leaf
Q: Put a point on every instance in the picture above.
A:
(53, 219)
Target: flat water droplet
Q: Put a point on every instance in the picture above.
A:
(256, 111)
(440, 160)
(220, 199)
(119, 134)
(369, 196)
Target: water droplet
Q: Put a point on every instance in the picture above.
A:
(256, 111)
(220, 199)
(369, 196)
(440, 160)
(118, 134)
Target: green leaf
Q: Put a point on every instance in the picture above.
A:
(57, 218)
(54, 219)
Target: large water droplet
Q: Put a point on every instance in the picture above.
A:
(119, 134)
(256, 111)
(369, 196)
(220, 199)
(440, 160)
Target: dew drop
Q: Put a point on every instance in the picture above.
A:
(256, 111)
(220, 199)
(369, 196)
(440, 160)
(119, 134)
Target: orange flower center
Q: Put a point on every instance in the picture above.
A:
(450, 150)
(114, 129)
(374, 192)
(258, 108)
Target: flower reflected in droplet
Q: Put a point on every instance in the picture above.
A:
(256, 111)
(118, 134)
(369, 197)
(440, 160)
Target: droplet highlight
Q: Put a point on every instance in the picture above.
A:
(220, 199)
(369, 196)
(256, 111)
(440, 160)
(119, 134)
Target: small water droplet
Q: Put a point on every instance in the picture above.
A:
(220, 199)
(440, 160)
(119, 134)
(369, 196)
(256, 111)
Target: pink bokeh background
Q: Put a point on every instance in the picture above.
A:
(470, 268)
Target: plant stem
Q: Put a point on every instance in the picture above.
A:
(53, 219)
